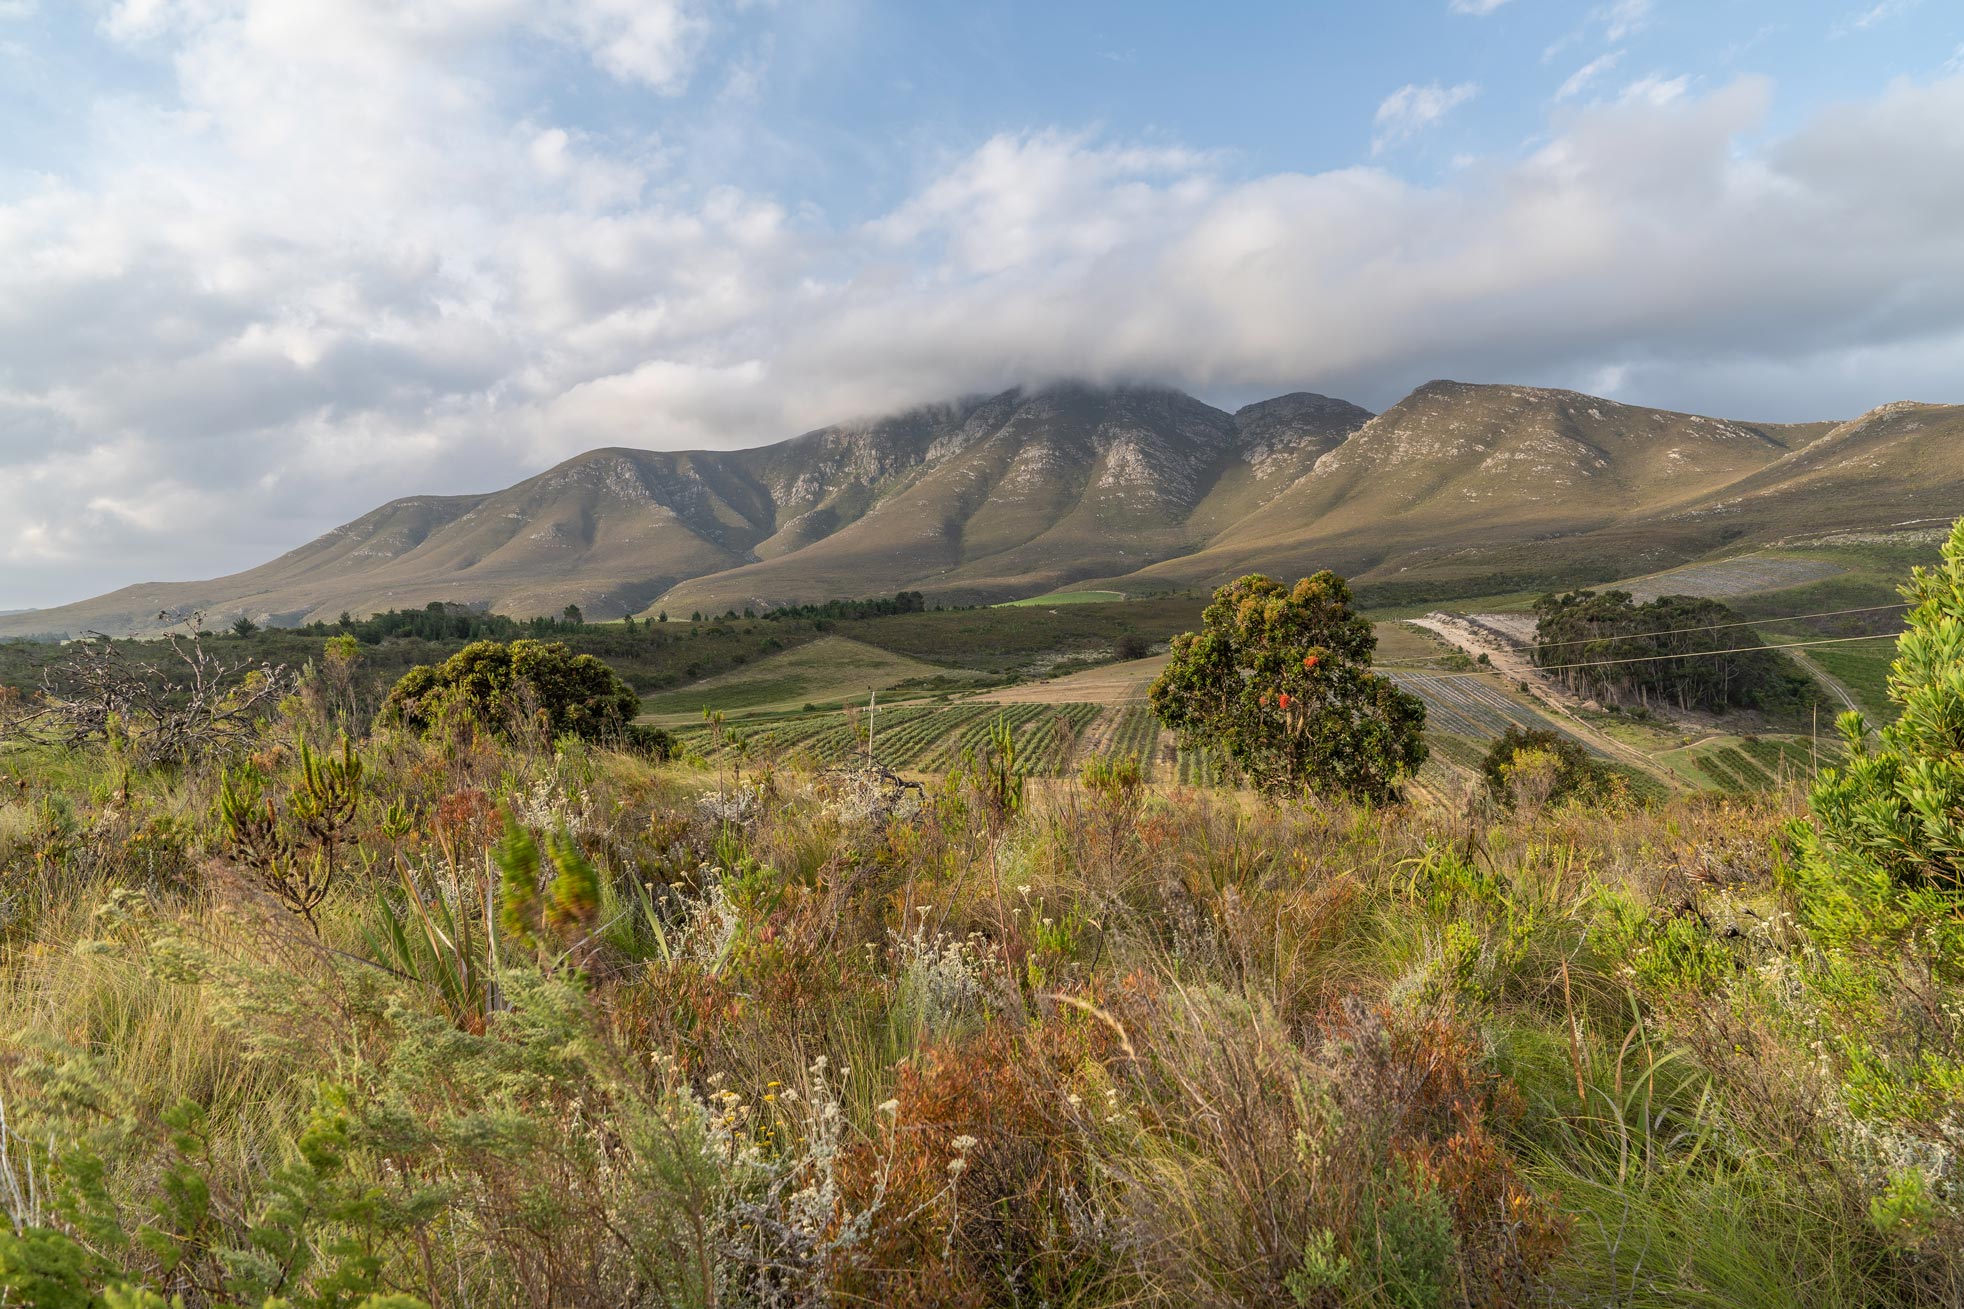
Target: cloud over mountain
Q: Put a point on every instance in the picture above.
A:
(332, 250)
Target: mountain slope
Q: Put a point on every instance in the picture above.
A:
(1455, 472)
(1457, 486)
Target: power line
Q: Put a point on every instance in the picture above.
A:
(1707, 654)
(1713, 627)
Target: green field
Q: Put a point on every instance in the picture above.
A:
(1863, 667)
(1066, 598)
(1054, 736)
(827, 671)
(1742, 764)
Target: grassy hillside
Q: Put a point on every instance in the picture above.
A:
(1069, 598)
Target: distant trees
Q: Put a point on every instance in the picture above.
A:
(1605, 646)
(1278, 681)
(439, 621)
(904, 602)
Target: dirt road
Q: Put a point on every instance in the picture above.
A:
(1511, 662)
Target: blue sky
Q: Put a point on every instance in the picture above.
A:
(265, 263)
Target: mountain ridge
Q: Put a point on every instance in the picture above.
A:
(1134, 487)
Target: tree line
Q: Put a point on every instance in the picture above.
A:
(1605, 646)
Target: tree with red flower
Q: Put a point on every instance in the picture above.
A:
(1278, 681)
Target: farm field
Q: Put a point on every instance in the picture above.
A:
(1027, 638)
(1127, 683)
(1468, 705)
(1738, 765)
(1724, 578)
(1122, 683)
(1402, 643)
(828, 670)
(1065, 598)
(1863, 667)
(1058, 724)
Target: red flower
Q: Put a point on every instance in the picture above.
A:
(1286, 700)
(1309, 661)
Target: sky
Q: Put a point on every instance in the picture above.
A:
(265, 264)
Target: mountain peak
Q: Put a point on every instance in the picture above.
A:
(1035, 488)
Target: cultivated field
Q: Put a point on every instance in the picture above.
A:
(1066, 598)
(826, 671)
(1725, 578)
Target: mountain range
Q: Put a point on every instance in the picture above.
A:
(1456, 489)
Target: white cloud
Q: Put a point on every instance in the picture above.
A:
(650, 41)
(1624, 18)
(1954, 66)
(1580, 80)
(1478, 8)
(338, 265)
(1412, 108)
(1875, 15)
(1656, 90)
(1612, 22)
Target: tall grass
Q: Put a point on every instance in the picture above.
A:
(1094, 1044)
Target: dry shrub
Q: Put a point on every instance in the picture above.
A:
(1257, 1169)
(1417, 1079)
(986, 1168)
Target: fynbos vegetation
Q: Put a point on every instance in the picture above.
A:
(469, 1007)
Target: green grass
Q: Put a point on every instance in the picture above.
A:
(826, 671)
(1026, 638)
(1864, 669)
(1401, 643)
(1067, 598)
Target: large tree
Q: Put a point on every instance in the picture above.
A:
(1278, 682)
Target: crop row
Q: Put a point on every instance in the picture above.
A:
(1135, 735)
(1757, 764)
(1049, 738)
(1466, 706)
(1462, 715)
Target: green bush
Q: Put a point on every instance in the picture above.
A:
(1880, 881)
(516, 686)
(1540, 766)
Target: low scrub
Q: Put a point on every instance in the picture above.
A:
(569, 1026)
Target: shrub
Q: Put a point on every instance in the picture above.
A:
(1881, 881)
(1278, 679)
(520, 685)
(1538, 766)
(150, 711)
(1893, 816)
